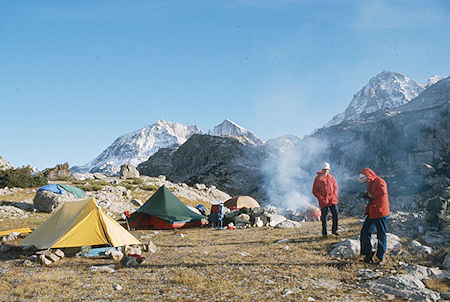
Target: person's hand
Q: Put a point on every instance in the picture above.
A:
(369, 195)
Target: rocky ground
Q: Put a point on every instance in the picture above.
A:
(246, 264)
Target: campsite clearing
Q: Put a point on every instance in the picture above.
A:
(203, 264)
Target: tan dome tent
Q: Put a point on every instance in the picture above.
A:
(77, 224)
(239, 202)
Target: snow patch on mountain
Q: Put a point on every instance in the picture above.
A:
(137, 146)
(229, 128)
(386, 90)
(433, 80)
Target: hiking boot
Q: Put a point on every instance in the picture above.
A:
(336, 234)
(324, 236)
(381, 261)
(368, 258)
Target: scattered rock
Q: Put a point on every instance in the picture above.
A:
(44, 261)
(418, 248)
(200, 187)
(347, 248)
(82, 176)
(137, 202)
(273, 219)
(117, 287)
(284, 240)
(446, 263)
(102, 268)
(366, 273)
(132, 249)
(149, 247)
(98, 175)
(244, 254)
(115, 254)
(422, 272)
(12, 236)
(132, 260)
(59, 253)
(242, 220)
(287, 292)
(289, 224)
(437, 239)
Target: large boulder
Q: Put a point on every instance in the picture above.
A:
(404, 286)
(348, 248)
(272, 219)
(128, 171)
(46, 201)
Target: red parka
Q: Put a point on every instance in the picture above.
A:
(378, 206)
(325, 189)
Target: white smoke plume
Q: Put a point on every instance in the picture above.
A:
(290, 172)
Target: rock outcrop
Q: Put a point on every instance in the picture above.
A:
(4, 164)
(225, 162)
(58, 172)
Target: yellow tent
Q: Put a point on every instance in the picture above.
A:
(79, 223)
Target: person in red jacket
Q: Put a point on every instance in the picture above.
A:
(377, 212)
(325, 189)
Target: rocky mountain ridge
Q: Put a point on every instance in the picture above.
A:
(385, 90)
(394, 142)
(229, 128)
(137, 146)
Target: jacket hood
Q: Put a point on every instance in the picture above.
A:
(369, 173)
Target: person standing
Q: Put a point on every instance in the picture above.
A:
(325, 189)
(376, 212)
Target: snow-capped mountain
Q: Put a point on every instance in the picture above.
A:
(136, 147)
(4, 164)
(386, 90)
(434, 79)
(229, 128)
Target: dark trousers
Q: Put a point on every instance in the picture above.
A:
(324, 216)
(366, 234)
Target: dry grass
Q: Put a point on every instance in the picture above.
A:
(200, 264)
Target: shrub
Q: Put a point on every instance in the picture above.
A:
(149, 187)
(91, 187)
(127, 185)
(138, 181)
(21, 177)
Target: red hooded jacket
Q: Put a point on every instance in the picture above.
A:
(325, 189)
(378, 206)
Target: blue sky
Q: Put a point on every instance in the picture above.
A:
(75, 75)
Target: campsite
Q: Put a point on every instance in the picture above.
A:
(189, 264)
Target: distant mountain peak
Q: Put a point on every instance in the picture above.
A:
(137, 146)
(386, 90)
(434, 79)
(230, 128)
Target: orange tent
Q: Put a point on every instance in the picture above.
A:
(239, 202)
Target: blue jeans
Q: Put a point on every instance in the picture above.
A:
(323, 218)
(366, 233)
